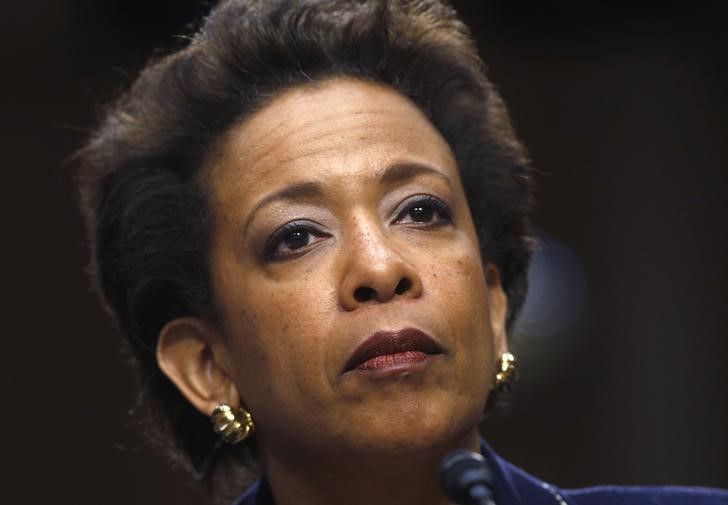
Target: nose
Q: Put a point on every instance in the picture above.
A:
(376, 270)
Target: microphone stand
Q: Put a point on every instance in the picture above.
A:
(466, 478)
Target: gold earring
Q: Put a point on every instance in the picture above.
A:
(507, 372)
(233, 425)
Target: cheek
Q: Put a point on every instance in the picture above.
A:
(274, 332)
(460, 289)
(457, 278)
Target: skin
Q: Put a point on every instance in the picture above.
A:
(370, 254)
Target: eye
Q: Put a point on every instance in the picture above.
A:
(292, 239)
(424, 210)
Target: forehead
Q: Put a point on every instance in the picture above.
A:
(334, 129)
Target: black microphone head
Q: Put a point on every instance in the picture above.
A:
(466, 477)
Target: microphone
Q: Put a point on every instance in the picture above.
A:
(466, 478)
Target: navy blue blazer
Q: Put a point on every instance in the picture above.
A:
(513, 486)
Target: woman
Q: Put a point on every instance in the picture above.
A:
(312, 227)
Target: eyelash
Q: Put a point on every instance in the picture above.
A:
(284, 231)
(438, 206)
(287, 229)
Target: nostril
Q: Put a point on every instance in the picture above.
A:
(364, 294)
(403, 286)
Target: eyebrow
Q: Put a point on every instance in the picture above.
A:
(293, 191)
(402, 172)
(393, 174)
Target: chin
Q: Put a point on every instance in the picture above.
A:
(416, 426)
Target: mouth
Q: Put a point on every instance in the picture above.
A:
(386, 350)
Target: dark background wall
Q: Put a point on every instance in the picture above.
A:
(623, 109)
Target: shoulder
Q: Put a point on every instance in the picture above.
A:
(249, 496)
(627, 495)
(513, 486)
(257, 494)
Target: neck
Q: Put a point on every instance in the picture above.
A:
(382, 477)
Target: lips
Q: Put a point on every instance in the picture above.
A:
(386, 349)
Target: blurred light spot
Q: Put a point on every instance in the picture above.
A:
(556, 290)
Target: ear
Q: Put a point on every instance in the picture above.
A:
(190, 353)
(498, 304)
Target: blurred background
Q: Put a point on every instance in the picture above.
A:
(624, 343)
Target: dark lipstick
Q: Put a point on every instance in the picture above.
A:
(387, 349)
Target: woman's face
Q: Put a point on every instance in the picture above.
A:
(354, 307)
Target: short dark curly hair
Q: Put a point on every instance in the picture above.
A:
(146, 210)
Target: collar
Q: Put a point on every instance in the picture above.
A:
(512, 486)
